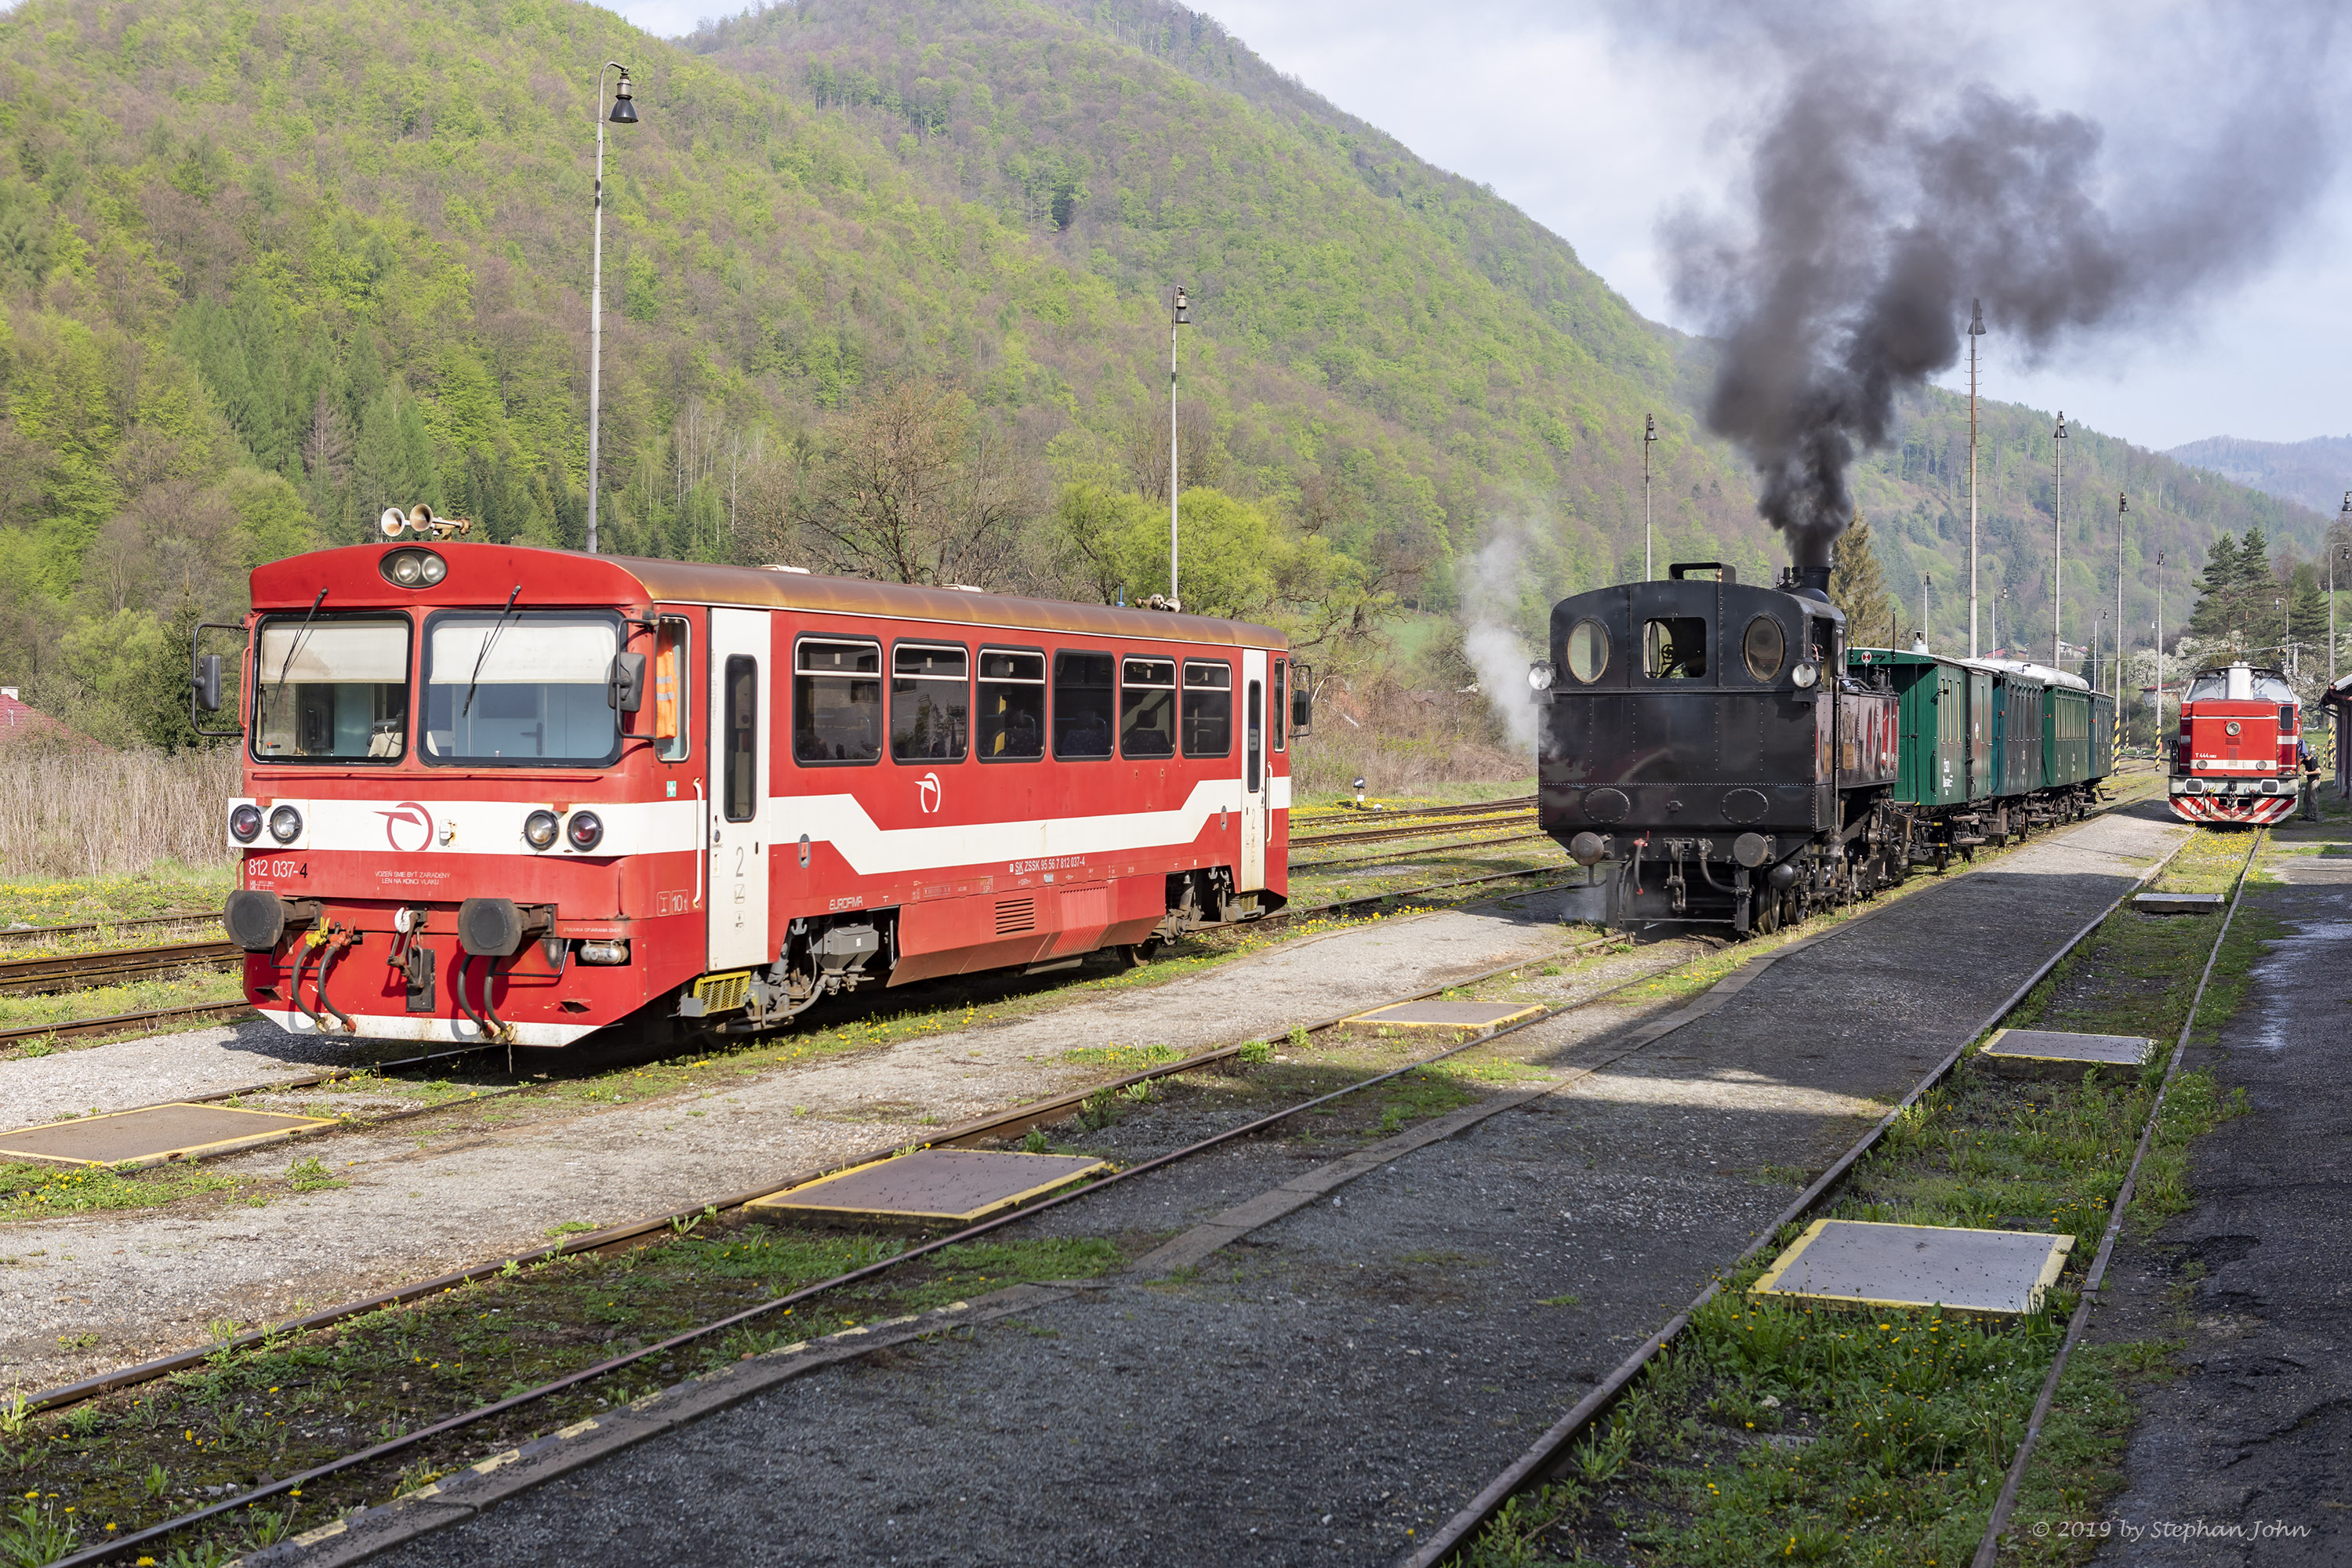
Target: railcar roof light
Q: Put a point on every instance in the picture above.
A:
(412, 568)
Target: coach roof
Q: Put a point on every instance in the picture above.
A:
(480, 574)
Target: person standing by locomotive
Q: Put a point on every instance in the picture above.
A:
(2310, 759)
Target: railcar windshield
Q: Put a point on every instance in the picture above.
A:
(331, 689)
(520, 689)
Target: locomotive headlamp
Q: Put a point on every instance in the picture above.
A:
(245, 824)
(587, 830)
(1805, 673)
(1540, 675)
(2231, 728)
(286, 825)
(539, 829)
(412, 568)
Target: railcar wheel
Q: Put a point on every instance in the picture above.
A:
(1943, 859)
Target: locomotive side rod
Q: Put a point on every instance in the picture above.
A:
(1544, 1459)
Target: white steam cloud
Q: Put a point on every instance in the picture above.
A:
(1495, 584)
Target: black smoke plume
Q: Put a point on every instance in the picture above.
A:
(1879, 203)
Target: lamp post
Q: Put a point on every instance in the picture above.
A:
(624, 112)
(1976, 331)
(2159, 647)
(1925, 583)
(1179, 314)
(2286, 645)
(1649, 439)
(2122, 506)
(2057, 534)
(2335, 550)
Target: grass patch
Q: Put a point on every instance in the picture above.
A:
(1134, 1058)
(166, 889)
(40, 1191)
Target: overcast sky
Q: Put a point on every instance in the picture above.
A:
(1597, 133)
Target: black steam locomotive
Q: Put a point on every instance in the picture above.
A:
(1702, 740)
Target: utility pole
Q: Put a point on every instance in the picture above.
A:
(624, 112)
(1179, 316)
(2335, 550)
(2057, 534)
(1649, 439)
(2160, 645)
(1976, 331)
(1925, 583)
(2122, 506)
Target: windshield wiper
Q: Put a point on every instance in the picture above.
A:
(488, 642)
(287, 663)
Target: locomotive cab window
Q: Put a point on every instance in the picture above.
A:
(334, 688)
(520, 687)
(1147, 708)
(1012, 705)
(1082, 701)
(837, 703)
(1764, 647)
(1588, 650)
(1208, 709)
(931, 702)
(1673, 648)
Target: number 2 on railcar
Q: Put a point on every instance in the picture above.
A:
(495, 793)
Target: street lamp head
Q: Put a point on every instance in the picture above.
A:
(2123, 503)
(1183, 307)
(1976, 318)
(2059, 433)
(624, 108)
(1650, 427)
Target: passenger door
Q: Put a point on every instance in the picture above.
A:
(740, 686)
(1251, 873)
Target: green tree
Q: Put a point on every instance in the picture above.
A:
(1858, 586)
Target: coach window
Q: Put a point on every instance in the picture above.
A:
(1278, 718)
(1673, 648)
(670, 664)
(1083, 700)
(837, 703)
(740, 776)
(1208, 709)
(1147, 708)
(1012, 705)
(931, 703)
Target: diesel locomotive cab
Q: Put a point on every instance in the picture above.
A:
(1703, 747)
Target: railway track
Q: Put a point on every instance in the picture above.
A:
(77, 971)
(1429, 829)
(1002, 1124)
(1551, 1452)
(44, 933)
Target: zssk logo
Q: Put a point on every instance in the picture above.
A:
(408, 827)
(926, 793)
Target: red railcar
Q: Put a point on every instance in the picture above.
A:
(2235, 760)
(513, 794)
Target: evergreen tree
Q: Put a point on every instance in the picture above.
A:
(2219, 600)
(1858, 586)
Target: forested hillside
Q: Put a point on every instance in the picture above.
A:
(268, 268)
(2316, 472)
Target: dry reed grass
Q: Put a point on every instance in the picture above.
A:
(91, 812)
(1402, 741)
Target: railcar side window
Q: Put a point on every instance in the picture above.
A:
(1254, 741)
(837, 703)
(931, 702)
(1147, 708)
(1673, 648)
(1588, 650)
(1012, 705)
(1278, 716)
(1082, 704)
(1208, 709)
(336, 688)
(670, 666)
(740, 779)
(1764, 647)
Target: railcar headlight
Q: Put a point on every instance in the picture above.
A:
(412, 568)
(433, 569)
(245, 824)
(540, 827)
(286, 825)
(587, 830)
(1806, 674)
(605, 953)
(1540, 675)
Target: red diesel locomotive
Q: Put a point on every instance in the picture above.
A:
(2234, 761)
(497, 794)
